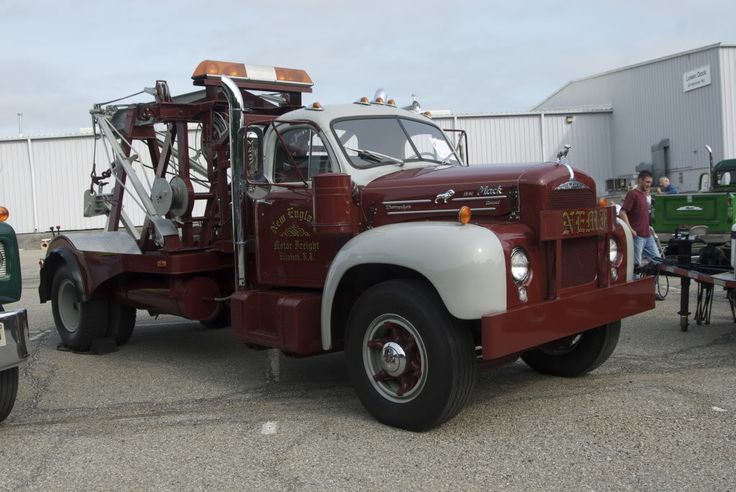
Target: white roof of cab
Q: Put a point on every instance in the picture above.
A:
(326, 115)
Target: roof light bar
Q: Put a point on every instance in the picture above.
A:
(255, 73)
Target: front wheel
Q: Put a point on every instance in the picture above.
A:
(575, 355)
(8, 391)
(411, 363)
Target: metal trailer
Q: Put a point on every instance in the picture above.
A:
(705, 276)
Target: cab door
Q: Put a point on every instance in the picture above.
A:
(289, 252)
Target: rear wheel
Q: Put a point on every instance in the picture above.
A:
(78, 322)
(575, 355)
(120, 322)
(8, 391)
(411, 363)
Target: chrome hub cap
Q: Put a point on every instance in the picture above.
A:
(395, 358)
(68, 306)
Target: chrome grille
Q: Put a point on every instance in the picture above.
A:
(562, 199)
(579, 256)
(3, 269)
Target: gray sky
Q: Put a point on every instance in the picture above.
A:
(60, 57)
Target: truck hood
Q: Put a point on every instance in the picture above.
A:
(442, 190)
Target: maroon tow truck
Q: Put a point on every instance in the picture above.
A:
(353, 227)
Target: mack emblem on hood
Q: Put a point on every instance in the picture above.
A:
(486, 190)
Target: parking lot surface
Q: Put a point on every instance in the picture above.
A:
(184, 407)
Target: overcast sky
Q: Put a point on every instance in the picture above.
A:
(59, 57)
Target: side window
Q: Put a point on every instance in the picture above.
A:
(309, 156)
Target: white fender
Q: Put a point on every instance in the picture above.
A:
(629, 249)
(464, 263)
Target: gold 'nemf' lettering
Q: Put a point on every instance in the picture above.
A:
(576, 222)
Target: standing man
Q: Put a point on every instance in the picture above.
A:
(635, 213)
(665, 186)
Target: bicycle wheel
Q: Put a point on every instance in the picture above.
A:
(663, 284)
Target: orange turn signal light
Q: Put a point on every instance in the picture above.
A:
(602, 202)
(4, 214)
(464, 214)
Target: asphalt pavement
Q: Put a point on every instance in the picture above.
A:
(182, 407)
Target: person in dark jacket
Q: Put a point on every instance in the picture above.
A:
(665, 186)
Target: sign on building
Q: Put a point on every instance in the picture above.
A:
(695, 79)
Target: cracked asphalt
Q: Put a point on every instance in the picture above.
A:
(182, 407)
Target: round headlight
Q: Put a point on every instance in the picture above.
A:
(519, 265)
(612, 250)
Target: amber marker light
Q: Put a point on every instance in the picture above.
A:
(293, 75)
(602, 202)
(363, 100)
(379, 100)
(316, 107)
(464, 214)
(391, 102)
(214, 67)
(4, 214)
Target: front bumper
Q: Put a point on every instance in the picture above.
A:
(13, 338)
(529, 326)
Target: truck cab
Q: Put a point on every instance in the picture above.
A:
(711, 210)
(354, 227)
(13, 323)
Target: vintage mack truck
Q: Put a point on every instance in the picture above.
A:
(13, 324)
(355, 227)
(711, 208)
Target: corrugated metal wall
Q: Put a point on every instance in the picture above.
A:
(537, 137)
(649, 105)
(61, 165)
(60, 175)
(16, 192)
(728, 97)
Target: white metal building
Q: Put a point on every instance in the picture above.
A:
(538, 136)
(42, 180)
(664, 111)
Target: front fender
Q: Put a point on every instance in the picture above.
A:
(629, 249)
(464, 263)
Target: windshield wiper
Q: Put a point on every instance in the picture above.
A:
(448, 157)
(372, 155)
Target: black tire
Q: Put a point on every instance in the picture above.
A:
(8, 391)
(576, 355)
(79, 323)
(220, 319)
(434, 379)
(120, 322)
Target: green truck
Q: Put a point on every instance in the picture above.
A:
(13, 324)
(713, 209)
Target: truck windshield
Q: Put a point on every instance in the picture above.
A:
(370, 142)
